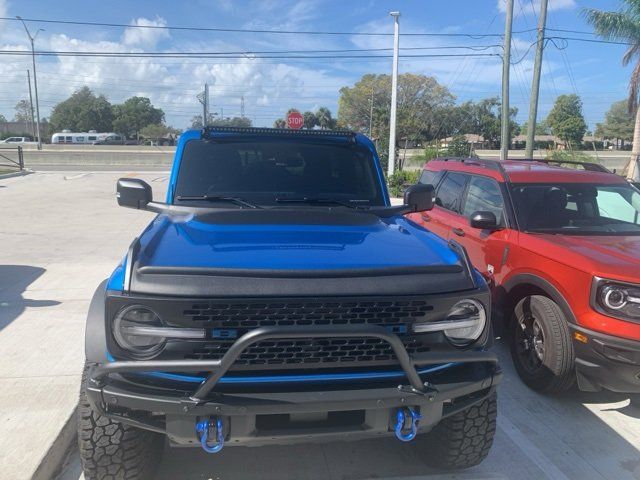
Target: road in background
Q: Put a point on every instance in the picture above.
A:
(145, 158)
(63, 233)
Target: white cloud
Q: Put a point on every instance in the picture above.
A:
(145, 37)
(527, 8)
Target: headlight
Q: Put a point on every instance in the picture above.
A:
(463, 325)
(138, 329)
(618, 299)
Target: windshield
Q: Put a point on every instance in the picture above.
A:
(578, 209)
(274, 172)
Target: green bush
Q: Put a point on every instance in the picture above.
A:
(430, 153)
(401, 179)
(569, 156)
(459, 147)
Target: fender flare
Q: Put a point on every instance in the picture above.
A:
(95, 335)
(544, 285)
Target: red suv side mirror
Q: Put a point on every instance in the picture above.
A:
(484, 220)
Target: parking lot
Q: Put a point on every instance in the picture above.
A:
(62, 233)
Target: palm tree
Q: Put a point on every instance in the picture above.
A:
(624, 26)
(324, 118)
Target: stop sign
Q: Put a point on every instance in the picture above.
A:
(295, 120)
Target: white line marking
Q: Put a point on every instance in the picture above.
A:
(80, 175)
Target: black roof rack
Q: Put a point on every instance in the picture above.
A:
(210, 131)
(588, 166)
(492, 164)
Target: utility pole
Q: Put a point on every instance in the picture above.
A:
(205, 118)
(33, 122)
(535, 85)
(371, 115)
(506, 64)
(32, 39)
(242, 106)
(394, 94)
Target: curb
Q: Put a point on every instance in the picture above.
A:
(16, 174)
(53, 461)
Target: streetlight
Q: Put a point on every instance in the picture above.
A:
(394, 95)
(32, 39)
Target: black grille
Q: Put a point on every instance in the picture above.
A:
(253, 315)
(227, 320)
(322, 352)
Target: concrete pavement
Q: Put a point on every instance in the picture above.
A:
(63, 233)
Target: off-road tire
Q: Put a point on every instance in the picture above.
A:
(114, 451)
(462, 440)
(557, 371)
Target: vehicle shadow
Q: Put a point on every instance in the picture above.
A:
(14, 280)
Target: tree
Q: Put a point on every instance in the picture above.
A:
(231, 122)
(566, 119)
(324, 119)
(155, 130)
(541, 128)
(3, 119)
(280, 123)
(624, 26)
(618, 123)
(421, 104)
(196, 120)
(310, 119)
(459, 147)
(134, 114)
(23, 111)
(83, 111)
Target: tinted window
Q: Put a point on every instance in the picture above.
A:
(429, 177)
(450, 191)
(571, 208)
(260, 172)
(484, 194)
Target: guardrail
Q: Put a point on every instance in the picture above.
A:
(12, 157)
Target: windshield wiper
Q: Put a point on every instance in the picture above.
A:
(320, 201)
(218, 198)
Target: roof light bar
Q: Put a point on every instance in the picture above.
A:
(212, 132)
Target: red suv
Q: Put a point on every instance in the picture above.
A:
(560, 249)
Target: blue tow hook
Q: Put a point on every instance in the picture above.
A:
(401, 416)
(202, 430)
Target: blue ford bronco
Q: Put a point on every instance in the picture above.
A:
(278, 297)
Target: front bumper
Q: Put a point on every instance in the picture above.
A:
(287, 415)
(607, 362)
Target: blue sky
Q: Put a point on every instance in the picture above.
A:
(271, 86)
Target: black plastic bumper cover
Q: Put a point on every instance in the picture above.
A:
(607, 362)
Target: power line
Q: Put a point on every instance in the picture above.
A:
(248, 30)
(51, 53)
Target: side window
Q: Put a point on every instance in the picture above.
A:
(484, 195)
(450, 192)
(430, 177)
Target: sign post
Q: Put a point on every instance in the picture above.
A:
(295, 120)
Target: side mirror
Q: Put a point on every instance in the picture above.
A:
(484, 220)
(419, 197)
(133, 193)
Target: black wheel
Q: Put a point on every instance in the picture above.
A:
(114, 451)
(541, 345)
(462, 440)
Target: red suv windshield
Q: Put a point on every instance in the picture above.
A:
(577, 209)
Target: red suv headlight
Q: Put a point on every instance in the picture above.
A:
(616, 299)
